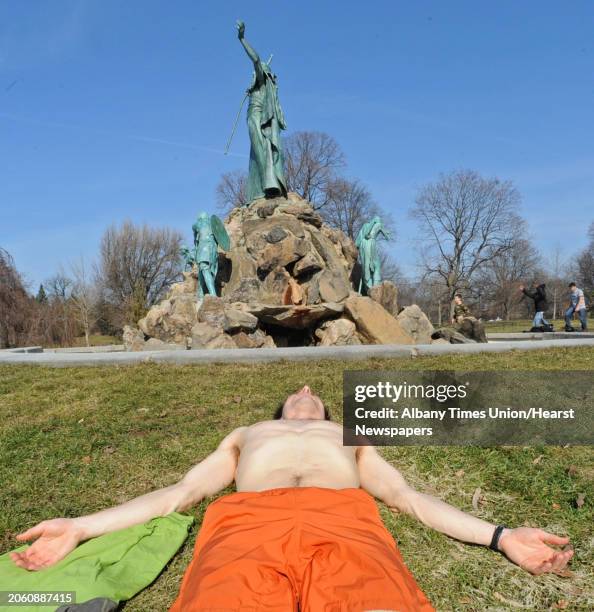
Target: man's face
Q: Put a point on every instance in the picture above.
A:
(458, 300)
(303, 405)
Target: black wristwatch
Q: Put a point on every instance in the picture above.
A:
(495, 539)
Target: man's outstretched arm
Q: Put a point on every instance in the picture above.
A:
(55, 538)
(525, 546)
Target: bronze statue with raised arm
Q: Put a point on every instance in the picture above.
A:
(265, 121)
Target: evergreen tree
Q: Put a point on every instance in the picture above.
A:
(41, 296)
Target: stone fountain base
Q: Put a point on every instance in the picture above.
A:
(286, 281)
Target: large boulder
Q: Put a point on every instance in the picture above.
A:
(243, 284)
(332, 286)
(287, 276)
(309, 264)
(188, 286)
(295, 317)
(223, 341)
(274, 287)
(171, 320)
(202, 334)
(339, 332)
(386, 294)
(415, 323)
(239, 320)
(451, 335)
(206, 336)
(257, 339)
(472, 328)
(133, 338)
(212, 311)
(286, 251)
(277, 241)
(374, 323)
(247, 289)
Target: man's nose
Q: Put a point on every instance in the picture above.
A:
(305, 389)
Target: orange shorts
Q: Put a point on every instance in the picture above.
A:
(308, 549)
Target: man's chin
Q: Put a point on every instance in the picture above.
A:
(305, 416)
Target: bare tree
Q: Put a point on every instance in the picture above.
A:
(312, 160)
(84, 298)
(429, 293)
(59, 286)
(60, 312)
(15, 303)
(137, 264)
(498, 281)
(557, 277)
(585, 266)
(466, 220)
(350, 204)
(232, 191)
(390, 269)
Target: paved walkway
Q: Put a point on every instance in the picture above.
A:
(561, 335)
(279, 354)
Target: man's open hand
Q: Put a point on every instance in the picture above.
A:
(53, 541)
(528, 548)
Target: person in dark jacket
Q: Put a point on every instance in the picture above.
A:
(539, 295)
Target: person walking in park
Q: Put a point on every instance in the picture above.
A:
(577, 305)
(539, 295)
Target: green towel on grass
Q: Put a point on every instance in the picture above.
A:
(115, 565)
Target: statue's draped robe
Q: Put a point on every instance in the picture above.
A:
(205, 246)
(265, 121)
(366, 243)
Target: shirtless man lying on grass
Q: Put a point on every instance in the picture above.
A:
(302, 529)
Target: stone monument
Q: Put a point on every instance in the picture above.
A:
(284, 274)
(284, 281)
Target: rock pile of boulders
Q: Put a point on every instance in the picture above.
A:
(287, 280)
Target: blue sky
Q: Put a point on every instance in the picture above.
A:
(113, 110)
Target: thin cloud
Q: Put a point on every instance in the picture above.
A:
(112, 133)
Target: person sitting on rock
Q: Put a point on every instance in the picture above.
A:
(461, 311)
(465, 322)
(303, 527)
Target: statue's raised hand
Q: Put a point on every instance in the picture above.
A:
(53, 541)
(240, 29)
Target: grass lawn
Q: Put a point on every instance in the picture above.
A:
(76, 440)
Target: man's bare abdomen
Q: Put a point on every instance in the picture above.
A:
(277, 454)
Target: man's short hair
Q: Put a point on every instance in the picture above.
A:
(572, 284)
(278, 413)
(458, 295)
